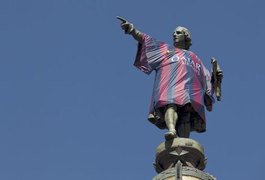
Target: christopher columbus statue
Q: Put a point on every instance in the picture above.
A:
(182, 87)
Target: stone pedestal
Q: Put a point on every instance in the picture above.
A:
(185, 173)
(180, 159)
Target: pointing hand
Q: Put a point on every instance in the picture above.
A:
(126, 25)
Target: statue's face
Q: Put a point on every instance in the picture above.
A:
(179, 37)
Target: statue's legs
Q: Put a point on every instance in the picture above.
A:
(183, 127)
(171, 118)
(177, 124)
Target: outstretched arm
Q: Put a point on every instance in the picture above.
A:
(130, 29)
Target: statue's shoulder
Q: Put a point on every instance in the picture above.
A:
(192, 53)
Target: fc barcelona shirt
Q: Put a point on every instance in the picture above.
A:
(180, 76)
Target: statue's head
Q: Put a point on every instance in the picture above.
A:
(182, 38)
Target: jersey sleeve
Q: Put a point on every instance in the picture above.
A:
(150, 54)
(207, 83)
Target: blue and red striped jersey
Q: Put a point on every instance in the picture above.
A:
(180, 76)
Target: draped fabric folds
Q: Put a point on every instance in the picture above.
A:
(180, 76)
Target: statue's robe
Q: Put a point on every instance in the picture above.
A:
(180, 77)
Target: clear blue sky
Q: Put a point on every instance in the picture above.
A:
(72, 106)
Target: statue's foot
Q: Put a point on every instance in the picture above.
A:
(151, 118)
(170, 135)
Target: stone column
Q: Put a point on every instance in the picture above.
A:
(181, 159)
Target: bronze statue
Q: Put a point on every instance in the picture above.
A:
(183, 85)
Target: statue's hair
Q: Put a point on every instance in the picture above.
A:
(188, 41)
(187, 36)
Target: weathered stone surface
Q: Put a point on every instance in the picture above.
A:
(188, 173)
(188, 151)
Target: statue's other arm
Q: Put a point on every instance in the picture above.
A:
(208, 102)
(208, 98)
(130, 29)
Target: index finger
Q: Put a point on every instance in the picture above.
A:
(121, 19)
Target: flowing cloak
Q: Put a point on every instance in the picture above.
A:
(180, 76)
